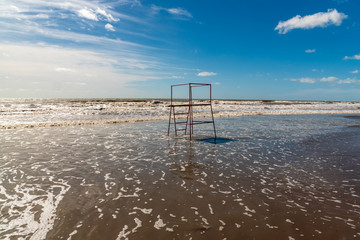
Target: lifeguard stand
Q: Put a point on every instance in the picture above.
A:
(186, 110)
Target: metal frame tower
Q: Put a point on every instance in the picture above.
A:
(187, 110)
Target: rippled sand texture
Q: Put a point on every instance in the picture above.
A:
(26, 113)
(281, 177)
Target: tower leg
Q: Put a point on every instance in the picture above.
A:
(169, 121)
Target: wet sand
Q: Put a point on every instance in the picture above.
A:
(280, 177)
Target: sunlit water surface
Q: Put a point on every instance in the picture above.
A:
(271, 177)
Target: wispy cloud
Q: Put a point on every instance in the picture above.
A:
(37, 31)
(77, 33)
(332, 79)
(328, 79)
(63, 69)
(303, 80)
(107, 15)
(69, 9)
(96, 14)
(310, 50)
(177, 12)
(355, 71)
(348, 81)
(14, 8)
(355, 57)
(321, 19)
(206, 74)
(80, 26)
(67, 20)
(101, 72)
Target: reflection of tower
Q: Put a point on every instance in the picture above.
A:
(186, 110)
(184, 162)
(182, 153)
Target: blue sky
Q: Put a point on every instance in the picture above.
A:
(260, 49)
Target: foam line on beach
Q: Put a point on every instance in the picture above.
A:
(25, 114)
(25, 216)
(162, 118)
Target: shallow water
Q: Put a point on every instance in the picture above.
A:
(62, 112)
(29, 113)
(280, 177)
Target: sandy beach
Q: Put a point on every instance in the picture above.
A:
(276, 174)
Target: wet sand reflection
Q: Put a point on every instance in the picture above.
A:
(296, 177)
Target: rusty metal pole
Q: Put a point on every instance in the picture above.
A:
(190, 111)
(212, 113)
(171, 108)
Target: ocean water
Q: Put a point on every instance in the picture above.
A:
(20, 113)
(66, 112)
(271, 177)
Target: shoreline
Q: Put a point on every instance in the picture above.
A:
(134, 120)
(95, 99)
(30, 113)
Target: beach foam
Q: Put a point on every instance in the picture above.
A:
(28, 113)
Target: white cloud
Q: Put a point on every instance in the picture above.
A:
(103, 73)
(110, 27)
(321, 19)
(348, 81)
(96, 15)
(178, 12)
(206, 74)
(355, 57)
(355, 71)
(70, 36)
(328, 79)
(62, 69)
(333, 80)
(27, 20)
(310, 50)
(64, 22)
(303, 80)
(92, 10)
(108, 16)
(42, 16)
(177, 77)
(88, 14)
(15, 8)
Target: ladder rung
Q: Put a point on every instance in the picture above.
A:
(181, 129)
(200, 122)
(180, 123)
(181, 113)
